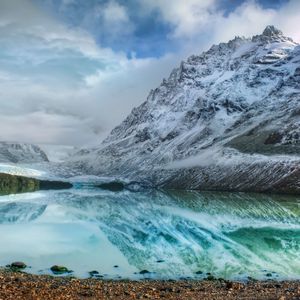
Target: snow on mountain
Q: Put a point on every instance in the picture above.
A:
(228, 118)
(58, 153)
(21, 153)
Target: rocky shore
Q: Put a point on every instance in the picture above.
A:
(19, 286)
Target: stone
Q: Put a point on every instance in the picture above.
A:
(210, 278)
(93, 273)
(18, 265)
(59, 270)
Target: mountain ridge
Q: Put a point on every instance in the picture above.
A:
(238, 100)
(15, 152)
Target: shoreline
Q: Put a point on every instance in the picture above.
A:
(20, 285)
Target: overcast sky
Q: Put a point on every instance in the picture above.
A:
(70, 70)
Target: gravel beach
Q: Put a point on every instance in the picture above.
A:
(19, 286)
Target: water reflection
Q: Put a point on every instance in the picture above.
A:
(171, 234)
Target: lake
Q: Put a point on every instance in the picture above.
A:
(171, 234)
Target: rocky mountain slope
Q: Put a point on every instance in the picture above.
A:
(21, 153)
(227, 119)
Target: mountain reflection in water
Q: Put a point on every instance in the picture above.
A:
(170, 234)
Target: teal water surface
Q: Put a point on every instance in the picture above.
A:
(170, 234)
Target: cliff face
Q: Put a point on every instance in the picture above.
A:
(228, 119)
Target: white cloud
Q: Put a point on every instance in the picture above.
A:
(110, 17)
(116, 20)
(113, 12)
(187, 16)
(42, 127)
(250, 19)
(288, 19)
(24, 24)
(247, 20)
(200, 23)
(57, 85)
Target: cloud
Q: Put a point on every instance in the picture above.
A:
(288, 19)
(186, 16)
(114, 13)
(114, 19)
(200, 23)
(59, 85)
(42, 127)
(21, 20)
(251, 18)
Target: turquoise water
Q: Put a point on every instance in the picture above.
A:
(170, 234)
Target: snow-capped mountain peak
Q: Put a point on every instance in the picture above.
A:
(238, 97)
(270, 35)
(270, 31)
(15, 152)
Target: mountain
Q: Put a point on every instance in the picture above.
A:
(21, 153)
(227, 119)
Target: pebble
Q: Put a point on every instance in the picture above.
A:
(18, 265)
(22, 286)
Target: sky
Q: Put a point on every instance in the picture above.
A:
(71, 70)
